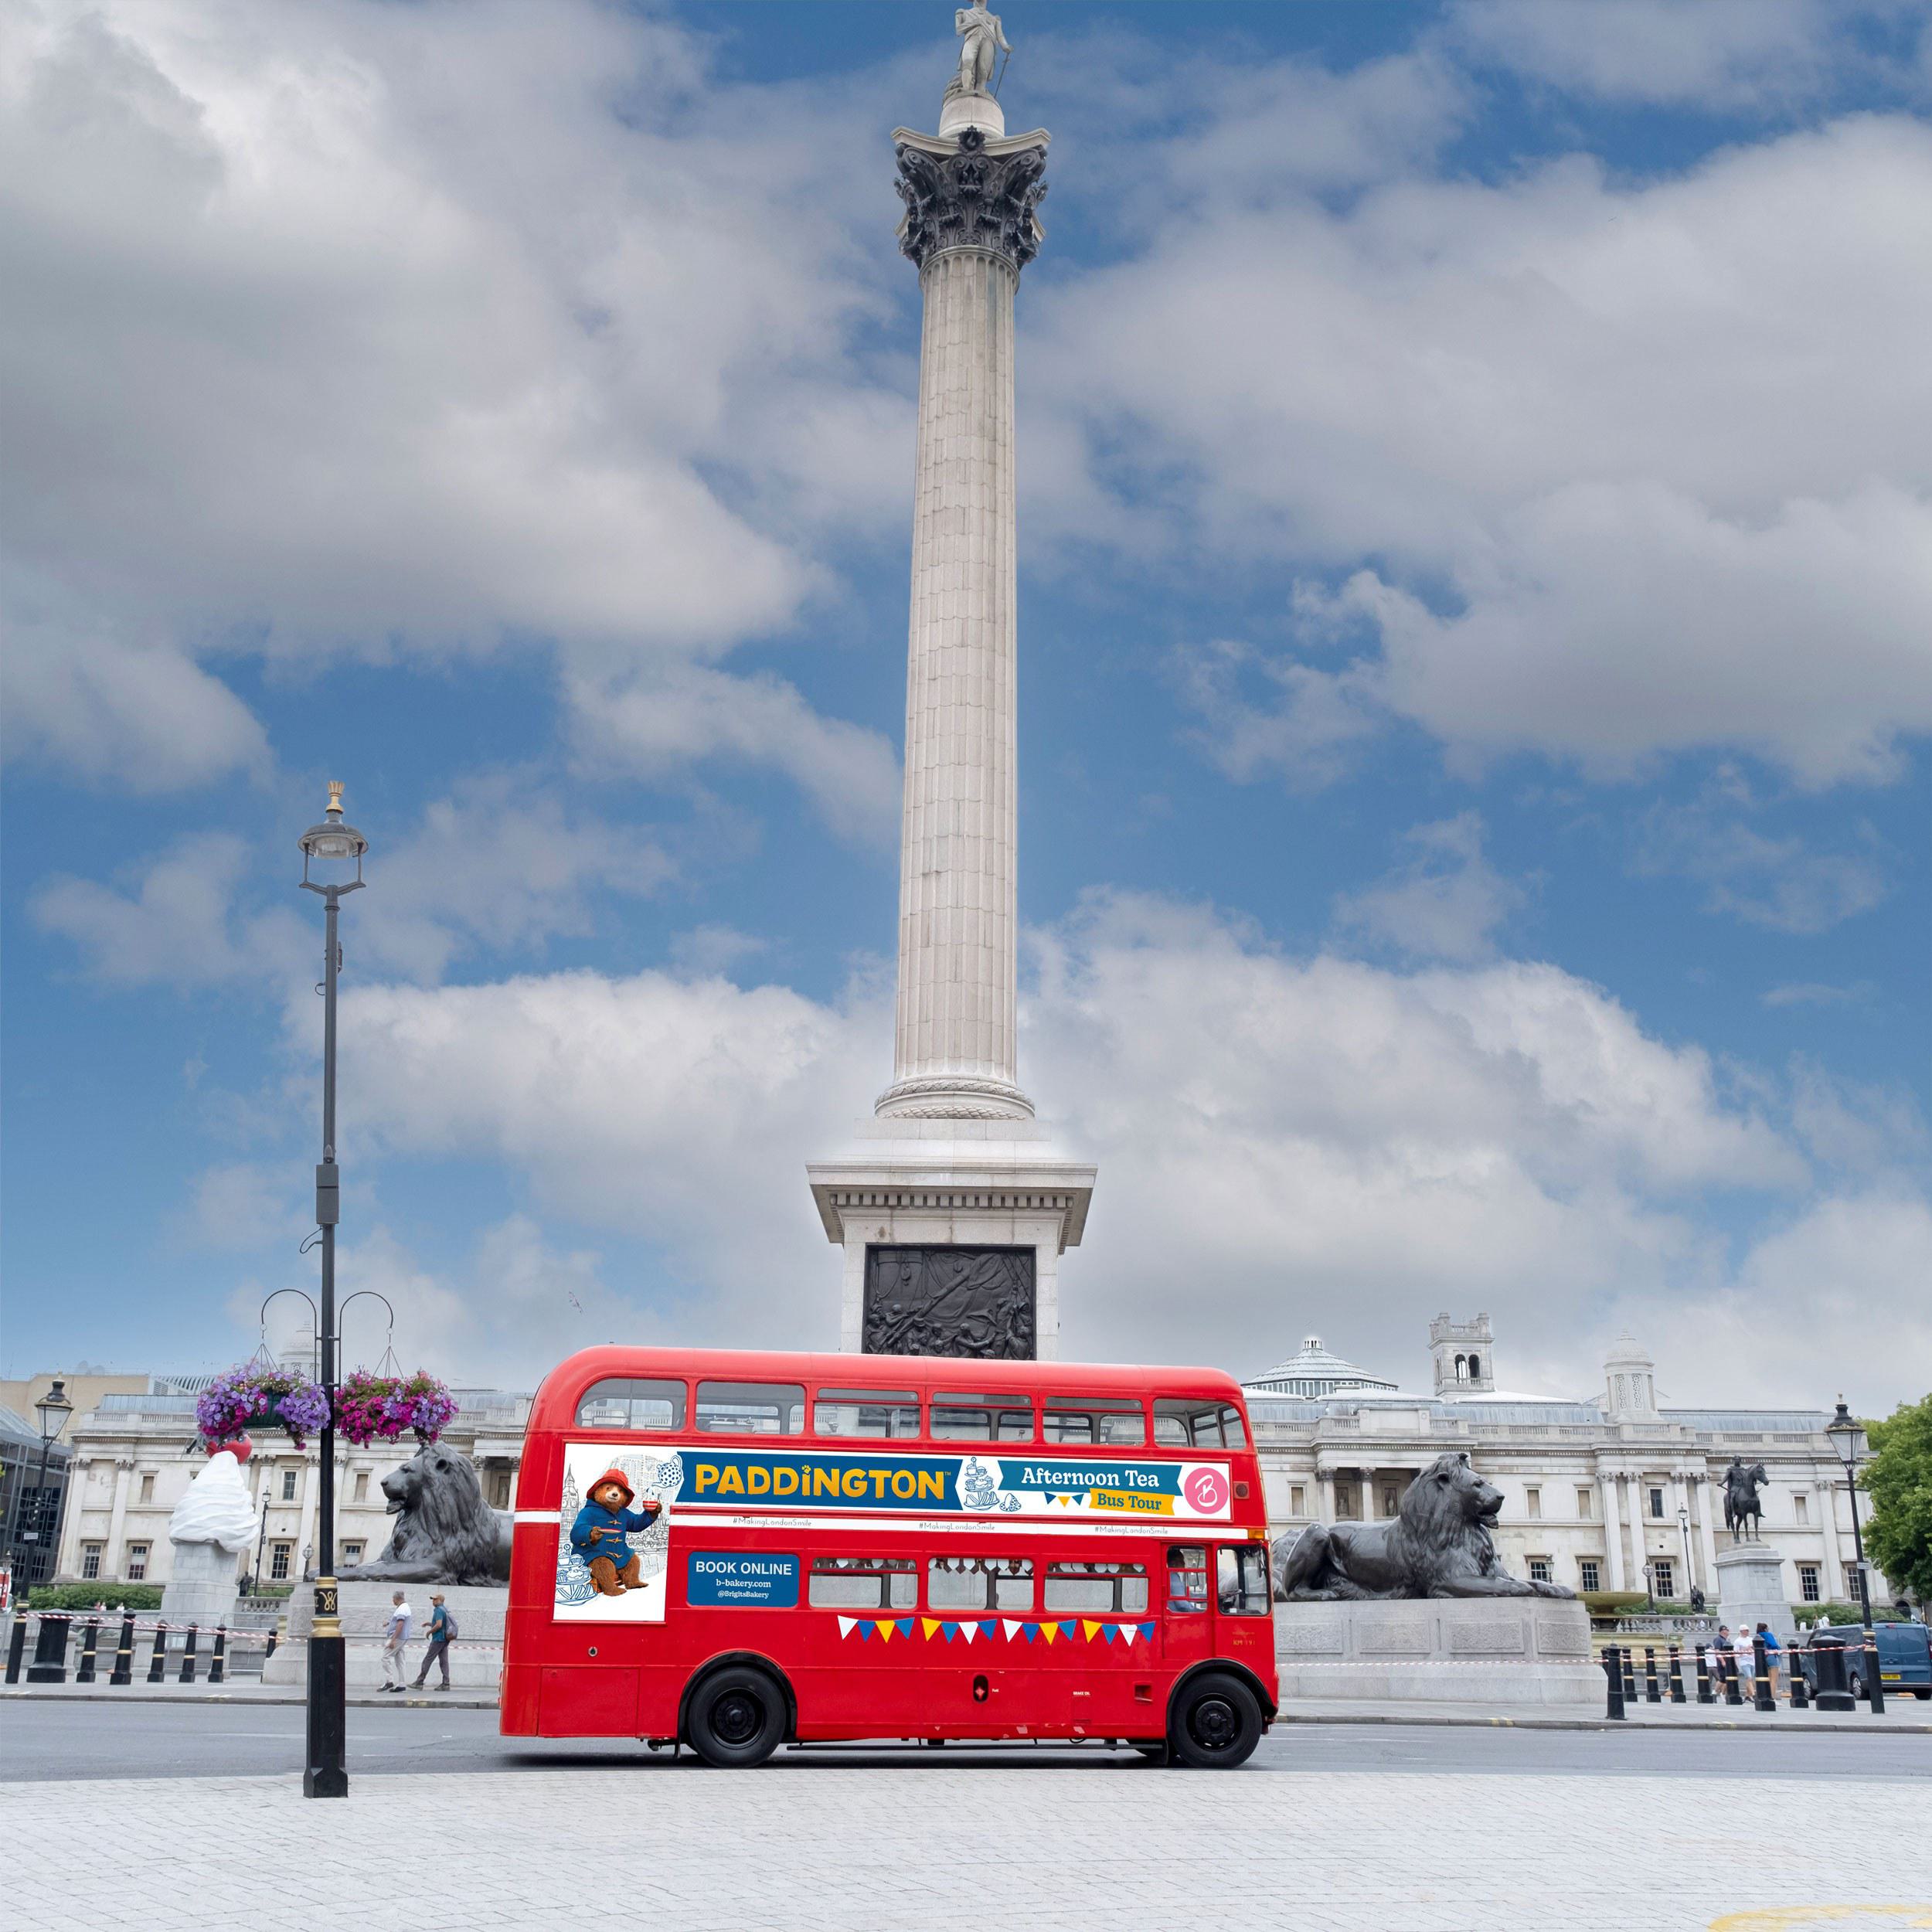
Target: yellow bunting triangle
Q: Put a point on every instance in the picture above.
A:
(1049, 1631)
(884, 1628)
(1092, 1629)
(928, 1624)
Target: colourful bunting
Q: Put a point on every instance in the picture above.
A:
(1011, 1627)
(845, 1624)
(969, 1631)
(1088, 1625)
(986, 1628)
(928, 1624)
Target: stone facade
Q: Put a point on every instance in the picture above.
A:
(1594, 1487)
(134, 1455)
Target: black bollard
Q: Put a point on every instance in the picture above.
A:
(187, 1656)
(271, 1651)
(1761, 1671)
(1614, 1675)
(16, 1646)
(215, 1662)
(1801, 1684)
(89, 1646)
(1875, 1693)
(1630, 1673)
(50, 1665)
(1652, 1694)
(1705, 1694)
(1733, 1688)
(124, 1670)
(1676, 1675)
(157, 1663)
(1834, 1691)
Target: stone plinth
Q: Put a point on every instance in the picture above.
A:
(476, 1657)
(1750, 1589)
(999, 1183)
(202, 1587)
(1484, 1650)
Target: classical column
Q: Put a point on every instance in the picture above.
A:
(969, 227)
(1613, 1530)
(1324, 1488)
(113, 1562)
(1833, 1589)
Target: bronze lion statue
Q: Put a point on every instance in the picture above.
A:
(1438, 1545)
(445, 1532)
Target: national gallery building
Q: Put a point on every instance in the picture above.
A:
(1597, 1491)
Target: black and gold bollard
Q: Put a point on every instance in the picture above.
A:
(124, 1670)
(90, 1648)
(1705, 1694)
(1733, 1688)
(1614, 1676)
(16, 1646)
(1761, 1671)
(157, 1663)
(1801, 1684)
(1652, 1694)
(1676, 1675)
(188, 1655)
(1875, 1693)
(1629, 1655)
(220, 1658)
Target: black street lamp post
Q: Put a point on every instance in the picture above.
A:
(53, 1410)
(325, 1773)
(1849, 1440)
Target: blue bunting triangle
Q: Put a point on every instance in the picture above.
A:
(949, 1631)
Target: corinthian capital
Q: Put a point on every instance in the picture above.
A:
(970, 192)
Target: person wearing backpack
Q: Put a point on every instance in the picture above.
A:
(442, 1633)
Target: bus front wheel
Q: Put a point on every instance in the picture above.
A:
(1216, 1724)
(737, 1716)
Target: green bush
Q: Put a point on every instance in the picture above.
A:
(1808, 1614)
(85, 1596)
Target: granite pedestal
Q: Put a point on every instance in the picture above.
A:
(476, 1657)
(1750, 1589)
(1492, 1650)
(202, 1587)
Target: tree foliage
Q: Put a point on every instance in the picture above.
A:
(1899, 1538)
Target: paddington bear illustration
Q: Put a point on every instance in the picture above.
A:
(600, 1530)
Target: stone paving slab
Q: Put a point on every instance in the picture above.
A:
(811, 1844)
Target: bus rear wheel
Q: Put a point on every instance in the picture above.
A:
(737, 1716)
(1216, 1724)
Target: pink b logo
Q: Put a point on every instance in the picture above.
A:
(1205, 1491)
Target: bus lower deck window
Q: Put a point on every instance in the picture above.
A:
(751, 1408)
(1093, 1419)
(630, 1404)
(1104, 1588)
(863, 1583)
(892, 1414)
(979, 1583)
(982, 1418)
(1187, 1578)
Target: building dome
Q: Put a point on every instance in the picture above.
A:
(1314, 1373)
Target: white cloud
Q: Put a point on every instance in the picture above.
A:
(1282, 1142)
(1817, 993)
(1445, 903)
(1780, 882)
(1638, 462)
(1702, 54)
(249, 1204)
(336, 326)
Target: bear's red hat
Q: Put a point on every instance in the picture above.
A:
(617, 1477)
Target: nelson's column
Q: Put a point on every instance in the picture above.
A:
(953, 1205)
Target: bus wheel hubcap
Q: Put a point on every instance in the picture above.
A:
(737, 1718)
(1214, 1724)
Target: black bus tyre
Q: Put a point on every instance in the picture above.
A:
(1216, 1724)
(737, 1716)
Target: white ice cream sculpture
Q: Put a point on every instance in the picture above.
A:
(213, 1524)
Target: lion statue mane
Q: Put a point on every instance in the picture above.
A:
(1438, 1545)
(445, 1532)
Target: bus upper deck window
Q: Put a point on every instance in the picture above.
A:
(751, 1408)
(957, 1418)
(1184, 1422)
(893, 1413)
(1102, 1419)
(632, 1404)
(1236, 1437)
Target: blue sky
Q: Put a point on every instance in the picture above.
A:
(1476, 576)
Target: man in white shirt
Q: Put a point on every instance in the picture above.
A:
(395, 1636)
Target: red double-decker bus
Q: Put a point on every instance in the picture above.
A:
(890, 1547)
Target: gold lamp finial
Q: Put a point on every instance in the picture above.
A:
(335, 796)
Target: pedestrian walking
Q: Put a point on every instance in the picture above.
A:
(1721, 1667)
(442, 1633)
(1771, 1648)
(395, 1636)
(1745, 1664)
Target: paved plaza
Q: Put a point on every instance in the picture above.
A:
(1441, 1830)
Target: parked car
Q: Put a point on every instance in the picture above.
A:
(1905, 1656)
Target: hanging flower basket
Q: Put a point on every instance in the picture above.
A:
(372, 1407)
(254, 1397)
